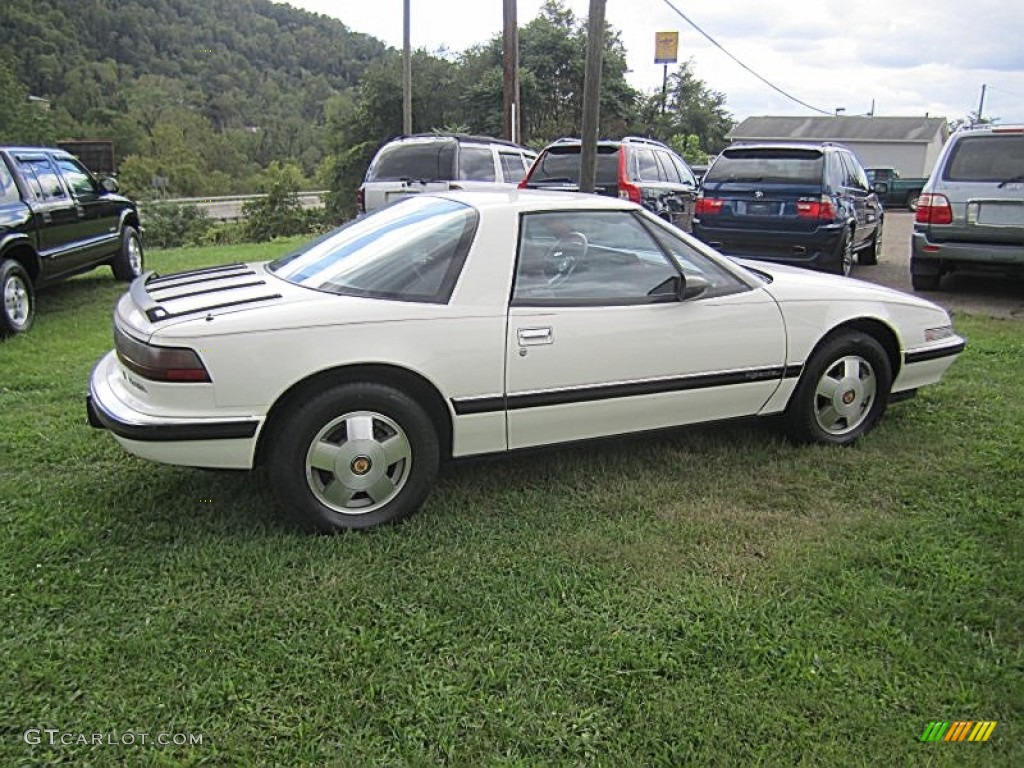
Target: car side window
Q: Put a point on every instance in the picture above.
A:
(43, 178)
(685, 174)
(836, 174)
(8, 189)
(720, 281)
(512, 166)
(668, 170)
(647, 166)
(857, 179)
(78, 179)
(590, 258)
(476, 163)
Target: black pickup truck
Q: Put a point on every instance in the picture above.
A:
(57, 220)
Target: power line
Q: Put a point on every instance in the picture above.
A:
(715, 43)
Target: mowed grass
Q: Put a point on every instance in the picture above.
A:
(716, 596)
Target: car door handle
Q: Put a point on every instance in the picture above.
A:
(531, 336)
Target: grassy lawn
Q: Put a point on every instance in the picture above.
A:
(712, 597)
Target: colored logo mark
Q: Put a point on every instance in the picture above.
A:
(960, 730)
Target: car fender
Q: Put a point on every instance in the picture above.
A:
(20, 247)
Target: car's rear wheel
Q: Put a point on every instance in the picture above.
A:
(843, 391)
(18, 310)
(129, 262)
(356, 455)
(925, 282)
(844, 264)
(912, 200)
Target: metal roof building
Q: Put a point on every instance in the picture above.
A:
(909, 144)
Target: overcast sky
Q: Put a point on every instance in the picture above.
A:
(907, 57)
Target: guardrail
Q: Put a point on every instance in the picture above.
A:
(229, 207)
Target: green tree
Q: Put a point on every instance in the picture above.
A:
(690, 108)
(21, 121)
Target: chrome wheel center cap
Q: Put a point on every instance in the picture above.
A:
(361, 465)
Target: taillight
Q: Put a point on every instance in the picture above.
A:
(708, 206)
(361, 200)
(627, 190)
(174, 364)
(933, 208)
(819, 209)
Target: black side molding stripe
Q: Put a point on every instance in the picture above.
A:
(162, 433)
(611, 391)
(933, 354)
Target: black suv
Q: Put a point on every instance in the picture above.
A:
(57, 220)
(805, 204)
(637, 169)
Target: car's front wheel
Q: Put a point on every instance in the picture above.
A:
(128, 263)
(19, 301)
(843, 391)
(356, 455)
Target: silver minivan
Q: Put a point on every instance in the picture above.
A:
(971, 212)
(409, 165)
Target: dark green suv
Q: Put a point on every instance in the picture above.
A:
(971, 212)
(57, 220)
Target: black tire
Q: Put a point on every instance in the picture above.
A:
(869, 256)
(925, 282)
(844, 261)
(129, 263)
(354, 456)
(17, 299)
(843, 391)
(912, 199)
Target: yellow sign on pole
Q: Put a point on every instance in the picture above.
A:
(666, 46)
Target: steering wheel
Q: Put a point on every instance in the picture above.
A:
(563, 257)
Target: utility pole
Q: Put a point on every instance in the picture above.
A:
(981, 104)
(510, 71)
(592, 96)
(406, 73)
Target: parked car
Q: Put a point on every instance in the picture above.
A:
(57, 220)
(459, 324)
(642, 170)
(893, 189)
(804, 204)
(971, 212)
(411, 165)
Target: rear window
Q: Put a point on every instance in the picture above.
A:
(410, 251)
(414, 161)
(784, 166)
(562, 164)
(991, 158)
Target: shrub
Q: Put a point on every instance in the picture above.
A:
(168, 225)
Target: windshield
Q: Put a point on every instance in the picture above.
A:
(410, 251)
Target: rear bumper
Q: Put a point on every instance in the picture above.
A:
(200, 441)
(931, 256)
(818, 249)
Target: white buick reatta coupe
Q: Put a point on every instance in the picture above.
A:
(462, 324)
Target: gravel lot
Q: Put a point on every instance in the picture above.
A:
(975, 294)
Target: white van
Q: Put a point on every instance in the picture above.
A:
(433, 162)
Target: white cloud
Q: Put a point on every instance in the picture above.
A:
(910, 57)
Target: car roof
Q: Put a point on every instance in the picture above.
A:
(818, 145)
(534, 199)
(457, 137)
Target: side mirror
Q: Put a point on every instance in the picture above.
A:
(110, 184)
(693, 286)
